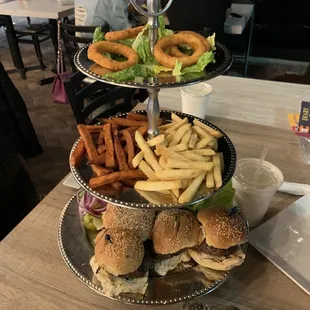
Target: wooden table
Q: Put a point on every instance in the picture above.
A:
(49, 9)
(253, 113)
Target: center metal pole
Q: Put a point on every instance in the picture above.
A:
(153, 7)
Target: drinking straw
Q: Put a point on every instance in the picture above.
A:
(262, 158)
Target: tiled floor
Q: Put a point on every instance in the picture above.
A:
(55, 124)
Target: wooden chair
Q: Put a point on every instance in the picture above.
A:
(97, 99)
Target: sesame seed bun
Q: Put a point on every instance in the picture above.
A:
(175, 230)
(222, 231)
(119, 251)
(140, 221)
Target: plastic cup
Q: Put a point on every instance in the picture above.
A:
(255, 192)
(195, 99)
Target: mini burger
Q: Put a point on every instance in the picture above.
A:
(225, 231)
(174, 232)
(118, 262)
(140, 221)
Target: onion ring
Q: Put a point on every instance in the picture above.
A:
(177, 53)
(176, 39)
(99, 70)
(95, 51)
(123, 34)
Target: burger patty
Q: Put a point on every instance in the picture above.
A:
(204, 248)
(161, 257)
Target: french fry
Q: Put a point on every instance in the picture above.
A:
(88, 141)
(203, 152)
(148, 171)
(156, 140)
(162, 161)
(155, 186)
(164, 192)
(173, 196)
(110, 158)
(120, 154)
(117, 185)
(115, 176)
(201, 132)
(203, 143)
(179, 134)
(177, 125)
(100, 139)
(207, 128)
(176, 193)
(143, 130)
(136, 160)
(174, 163)
(186, 137)
(217, 171)
(94, 128)
(130, 147)
(148, 154)
(99, 171)
(193, 156)
(101, 149)
(175, 118)
(193, 141)
(210, 179)
(156, 198)
(78, 153)
(136, 117)
(191, 190)
(178, 148)
(172, 174)
(166, 126)
(214, 144)
(98, 160)
(169, 153)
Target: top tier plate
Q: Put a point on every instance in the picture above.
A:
(222, 57)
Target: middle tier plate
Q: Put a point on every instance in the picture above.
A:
(129, 198)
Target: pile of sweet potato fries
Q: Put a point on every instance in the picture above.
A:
(110, 149)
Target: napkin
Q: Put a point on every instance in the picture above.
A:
(297, 189)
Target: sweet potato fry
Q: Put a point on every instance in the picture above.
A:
(130, 182)
(94, 128)
(130, 147)
(100, 138)
(115, 176)
(110, 159)
(101, 149)
(117, 185)
(99, 170)
(120, 154)
(108, 121)
(89, 143)
(143, 131)
(98, 160)
(123, 122)
(136, 117)
(77, 155)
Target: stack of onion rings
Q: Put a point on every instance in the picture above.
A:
(177, 53)
(96, 50)
(123, 34)
(173, 41)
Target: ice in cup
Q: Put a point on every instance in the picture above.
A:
(195, 99)
(254, 192)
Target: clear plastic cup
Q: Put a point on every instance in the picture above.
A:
(195, 99)
(255, 192)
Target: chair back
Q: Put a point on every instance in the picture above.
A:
(73, 35)
(97, 99)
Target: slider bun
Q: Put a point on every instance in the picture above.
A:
(140, 221)
(222, 230)
(218, 262)
(175, 230)
(119, 251)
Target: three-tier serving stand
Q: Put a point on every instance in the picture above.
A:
(162, 290)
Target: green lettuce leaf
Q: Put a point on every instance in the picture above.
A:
(128, 42)
(98, 35)
(129, 74)
(211, 40)
(177, 69)
(92, 223)
(162, 31)
(223, 198)
(142, 46)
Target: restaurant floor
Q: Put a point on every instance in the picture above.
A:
(55, 124)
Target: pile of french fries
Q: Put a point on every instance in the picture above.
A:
(180, 163)
(110, 149)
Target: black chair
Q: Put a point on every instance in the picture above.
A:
(71, 40)
(33, 34)
(86, 99)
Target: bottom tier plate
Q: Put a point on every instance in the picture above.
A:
(76, 251)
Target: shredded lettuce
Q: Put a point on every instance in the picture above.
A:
(130, 73)
(98, 35)
(223, 198)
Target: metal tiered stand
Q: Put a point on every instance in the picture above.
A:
(178, 287)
